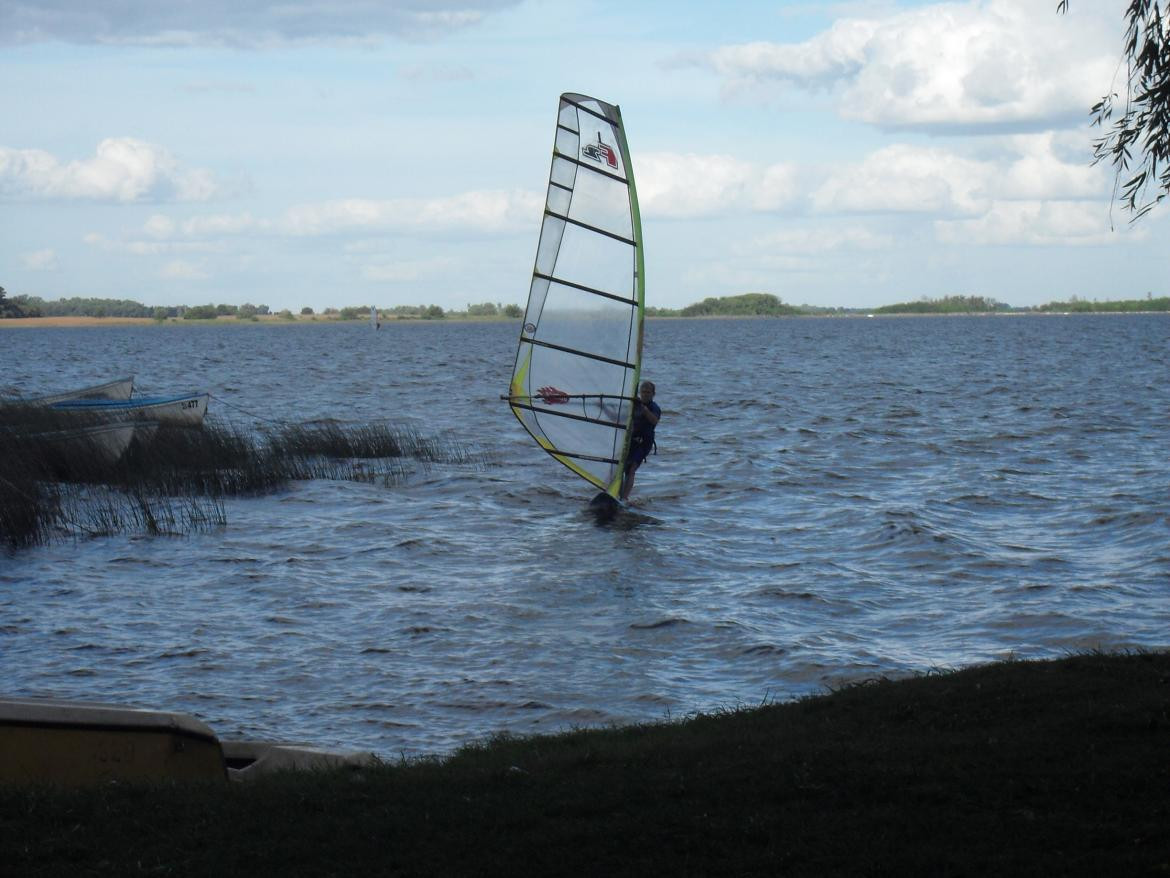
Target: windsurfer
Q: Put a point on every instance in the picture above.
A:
(646, 415)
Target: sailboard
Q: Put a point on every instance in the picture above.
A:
(580, 351)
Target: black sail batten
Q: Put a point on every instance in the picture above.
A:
(596, 229)
(568, 283)
(584, 109)
(589, 166)
(578, 353)
(590, 457)
(575, 417)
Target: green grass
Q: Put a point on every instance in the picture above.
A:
(1018, 768)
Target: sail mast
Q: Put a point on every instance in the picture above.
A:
(639, 286)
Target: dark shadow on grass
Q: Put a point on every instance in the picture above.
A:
(1020, 768)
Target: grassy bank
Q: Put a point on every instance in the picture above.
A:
(1020, 768)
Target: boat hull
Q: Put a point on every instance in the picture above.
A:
(187, 410)
(118, 389)
(75, 743)
(104, 442)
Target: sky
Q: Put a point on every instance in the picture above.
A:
(358, 152)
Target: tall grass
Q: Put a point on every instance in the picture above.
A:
(175, 480)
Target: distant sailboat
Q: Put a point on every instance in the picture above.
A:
(374, 324)
(580, 349)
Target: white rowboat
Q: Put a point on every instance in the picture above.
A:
(119, 389)
(104, 442)
(184, 410)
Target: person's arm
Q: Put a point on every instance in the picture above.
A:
(649, 414)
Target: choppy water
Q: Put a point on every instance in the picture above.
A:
(834, 499)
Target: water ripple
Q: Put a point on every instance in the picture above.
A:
(842, 499)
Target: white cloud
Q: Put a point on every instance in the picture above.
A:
(823, 239)
(123, 169)
(1036, 223)
(478, 211)
(1040, 171)
(478, 214)
(902, 178)
(40, 260)
(231, 23)
(153, 247)
(912, 179)
(437, 73)
(819, 62)
(163, 228)
(406, 271)
(159, 226)
(982, 64)
(221, 225)
(688, 185)
(181, 270)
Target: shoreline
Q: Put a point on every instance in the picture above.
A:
(79, 322)
(70, 322)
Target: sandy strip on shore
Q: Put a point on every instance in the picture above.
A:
(32, 322)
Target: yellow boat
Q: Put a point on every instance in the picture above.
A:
(73, 742)
(76, 743)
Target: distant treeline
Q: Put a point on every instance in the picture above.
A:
(34, 306)
(983, 305)
(1075, 304)
(16, 307)
(746, 305)
(767, 305)
(946, 305)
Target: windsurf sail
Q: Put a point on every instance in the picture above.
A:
(580, 349)
(374, 324)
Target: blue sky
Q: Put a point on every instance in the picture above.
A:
(387, 153)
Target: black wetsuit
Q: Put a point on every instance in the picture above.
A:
(642, 440)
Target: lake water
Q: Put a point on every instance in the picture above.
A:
(833, 500)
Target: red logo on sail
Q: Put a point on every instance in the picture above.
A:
(600, 152)
(552, 396)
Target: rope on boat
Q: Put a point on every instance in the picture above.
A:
(246, 412)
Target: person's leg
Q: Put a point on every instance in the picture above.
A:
(628, 481)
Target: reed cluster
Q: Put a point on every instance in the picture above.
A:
(172, 480)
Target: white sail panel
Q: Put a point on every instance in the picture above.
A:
(579, 354)
(580, 323)
(602, 264)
